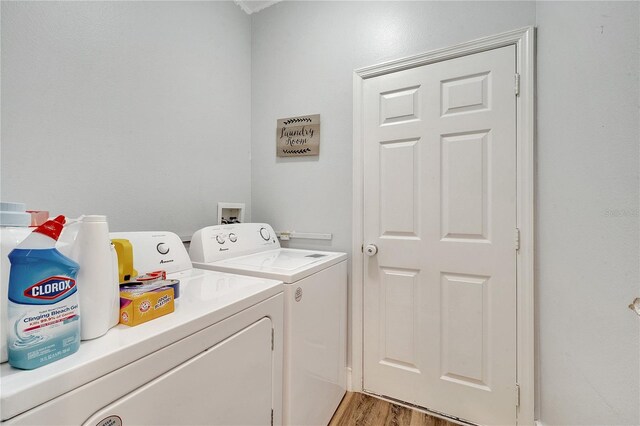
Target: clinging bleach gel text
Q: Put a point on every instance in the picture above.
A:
(44, 319)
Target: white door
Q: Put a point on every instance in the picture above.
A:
(440, 205)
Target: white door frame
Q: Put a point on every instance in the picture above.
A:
(524, 40)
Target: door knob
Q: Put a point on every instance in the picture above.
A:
(371, 250)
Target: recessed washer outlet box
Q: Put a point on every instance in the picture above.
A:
(230, 213)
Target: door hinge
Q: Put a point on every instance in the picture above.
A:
(517, 395)
(517, 239)
(272, 417)
(517, 84)
(272, 338)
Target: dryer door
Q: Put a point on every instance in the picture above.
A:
(214, 387)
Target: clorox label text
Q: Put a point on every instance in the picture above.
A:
(50, 288)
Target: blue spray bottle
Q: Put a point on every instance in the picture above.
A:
(44, 318)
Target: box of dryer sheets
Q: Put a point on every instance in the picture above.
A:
(140, 303)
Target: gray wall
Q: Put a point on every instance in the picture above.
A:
(588, 150)
(136, 110)
(587, 153)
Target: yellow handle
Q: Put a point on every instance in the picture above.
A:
(124, 250)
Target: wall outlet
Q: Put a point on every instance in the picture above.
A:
(230, 213)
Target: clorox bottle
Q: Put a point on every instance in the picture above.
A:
(44, 318)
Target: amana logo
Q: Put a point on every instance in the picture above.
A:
(50, 288)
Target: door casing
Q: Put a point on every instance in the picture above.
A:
(524, 40)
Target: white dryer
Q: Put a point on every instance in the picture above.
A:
(315, 306)
(211, 362)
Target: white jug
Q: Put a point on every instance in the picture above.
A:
(87, 242)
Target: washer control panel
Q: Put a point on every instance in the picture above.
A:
(223, 241)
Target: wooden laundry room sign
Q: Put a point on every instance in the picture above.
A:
(298, 136)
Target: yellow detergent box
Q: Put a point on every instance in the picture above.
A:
(142, 303)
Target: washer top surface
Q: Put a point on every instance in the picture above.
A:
(287, 265)
(206, 297)
(279, 259)
(253, 249)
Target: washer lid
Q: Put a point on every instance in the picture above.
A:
(282, 259)
(288, 265)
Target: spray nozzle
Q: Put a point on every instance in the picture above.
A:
(52, 228)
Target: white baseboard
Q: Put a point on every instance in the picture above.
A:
(349, 380)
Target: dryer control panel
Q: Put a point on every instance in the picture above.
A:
(154, 251)
(221, 242)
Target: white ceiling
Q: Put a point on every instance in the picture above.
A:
(253, 6)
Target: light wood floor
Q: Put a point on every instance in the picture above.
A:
(363, 410)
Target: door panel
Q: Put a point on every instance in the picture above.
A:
(464, 186)
(400, 105)
(397, 331)
(465, 94)
(399, 187)
(464, 315)
(440, 204)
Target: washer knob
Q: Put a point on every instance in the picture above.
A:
(265, 234)
(220, 239)
(233, 238)
(162, 248)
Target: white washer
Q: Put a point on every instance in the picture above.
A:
(213, 361)
(315, 304)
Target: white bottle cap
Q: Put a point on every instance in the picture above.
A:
(13, 214)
